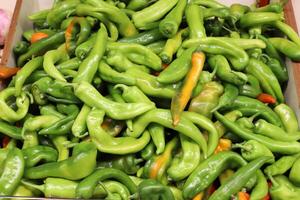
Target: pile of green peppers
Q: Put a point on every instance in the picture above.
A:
(163, 99)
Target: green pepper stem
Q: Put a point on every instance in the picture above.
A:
(38, 187)
(240, 146)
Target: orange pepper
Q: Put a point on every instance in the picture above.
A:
(68, 35)
(38, 36)
(224, 145)
(7, 72)
(181, 98)
(243, 196)
(199, 196)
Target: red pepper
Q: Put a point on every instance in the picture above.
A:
(266, 98)
(261, 3)
(5, 141)
(38, 36)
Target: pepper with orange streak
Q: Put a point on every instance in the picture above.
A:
(182, 97)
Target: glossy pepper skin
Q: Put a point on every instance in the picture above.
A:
(91, 97)
(177, 69)
(83, 154)
(163, 117)
(207, 100)
(273, 145)
(202, 176)
(287, 47)
(36, 154)
(214, 45)
(261, 188)
(10, 130)
(266, 78)
(194, 18)
(182, 166)
(230, 93)
(249, 106)
(144, 38)
(89, 65)
(282, 188)
(251, 88)
(239, 179)
(170, 24)
(109, 144)
(294, 173)
(252, 149)
(87, 186)
(224, 71)
(7, 113)
(152, 189)
(25, 72)
(281, 165)
(12, 172)
(288, 117)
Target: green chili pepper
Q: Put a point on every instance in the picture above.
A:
(151, 87)
(144, 38)
(58, 13)
(288, 31)
(40, 15)
(20, 48)
(209, 3)
(50, 58)
(84, 48)
(87, 186)
(281, 165)
(252, 89)
(41, 46)
(79, 128)
(60, 142)
(279, 71)
(204, 78)
(7, 113)
(170, 24)
(273, 145)
(207, 100)
(239, 179)
(163, 117)
(114, 14)
(287, 47)
(63, 126)
(267, 129)
(156, 47)
(137, 54)
(177, 69)
(23, 191)
(128, 163)
(148, 151)
(12, 172)
(84, 154)
(85, 29)
(157, 134)
(237, 11)
(137, 4)
(224, 72)
(230, 93)
(194, 18)
(232, 116)
(183, 165)
(91, 97)
(288, 117)
(216, 12)
(260, 190)
(294, 172)
(36, 154)
(110, 75)
(152, 13)
(208, 170)
(107, 143)
(257, 18)
(214, 45)
(282, 189)
(111, 189)
(267, 79)
(10, 130)
(53, 90)
(152, 189)
(172, 45)
(89, 65)
(121, 63)
(249, 106)
(253, 149)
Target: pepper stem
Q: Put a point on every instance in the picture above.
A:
(241, 146)
(32, 185)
